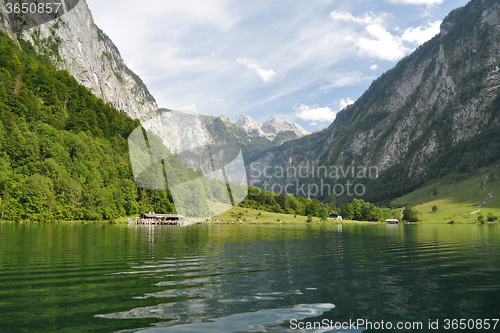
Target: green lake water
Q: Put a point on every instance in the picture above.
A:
(241, 278)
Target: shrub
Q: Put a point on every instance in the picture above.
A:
(410, 215)
(323, 214)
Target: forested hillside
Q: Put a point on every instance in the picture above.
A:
(63, 151)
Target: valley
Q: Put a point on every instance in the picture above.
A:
(429, 125)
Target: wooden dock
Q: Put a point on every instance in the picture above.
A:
(162, 219)
(157, 222)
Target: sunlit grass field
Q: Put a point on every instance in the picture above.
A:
(254, 216)
(456, 197)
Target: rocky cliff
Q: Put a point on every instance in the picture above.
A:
(74, 43)
(436, 112)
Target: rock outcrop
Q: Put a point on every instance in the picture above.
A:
(74, 43)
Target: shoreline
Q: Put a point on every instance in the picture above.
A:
(327, 222)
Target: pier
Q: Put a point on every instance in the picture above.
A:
(162, 219)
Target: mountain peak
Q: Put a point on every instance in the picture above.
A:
(250, 126)
(245, 116)
(224, 119)
(272, 127)
(319, 129)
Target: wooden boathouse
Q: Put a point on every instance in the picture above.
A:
(160, 219)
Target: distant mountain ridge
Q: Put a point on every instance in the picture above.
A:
(222, 130)
(269, 129)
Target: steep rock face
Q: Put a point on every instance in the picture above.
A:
(74, 43)
(443, 96)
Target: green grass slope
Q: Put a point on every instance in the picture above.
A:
(457, 197)
(255, 216)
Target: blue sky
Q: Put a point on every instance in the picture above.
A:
(298, 60)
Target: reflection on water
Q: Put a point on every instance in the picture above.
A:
(256, 321)
(66, 278)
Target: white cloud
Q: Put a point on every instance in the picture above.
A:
(422, 34)
(368, 18)
(218, 100)
(345, 102)
(265, 74)
(379, 43)
(341, 80)
(428, 3)
(384, 46)
(373, 67)
(315, 114)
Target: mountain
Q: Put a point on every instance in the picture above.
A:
(319, 129)
(222, 130)
(271, 128)
(436, 112)
(74, 43)
(250, 126)
(274, 126)
(252, 137)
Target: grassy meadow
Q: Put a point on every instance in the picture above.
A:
(254, 216)
(457, 198)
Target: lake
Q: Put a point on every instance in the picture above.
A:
(248, 278)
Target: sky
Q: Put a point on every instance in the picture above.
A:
(298, 60)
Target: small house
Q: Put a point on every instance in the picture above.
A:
(162, 218)
(174, 217)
